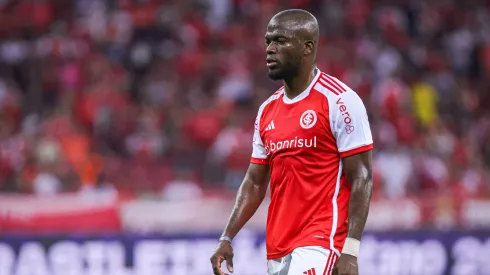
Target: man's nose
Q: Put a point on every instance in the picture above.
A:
(271, 49)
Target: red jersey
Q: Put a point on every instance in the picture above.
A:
(303, 140)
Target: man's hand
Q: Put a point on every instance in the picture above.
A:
(346, 265)
(222, 253)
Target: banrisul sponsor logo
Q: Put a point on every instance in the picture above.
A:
(273, 146)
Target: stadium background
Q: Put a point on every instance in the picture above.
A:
(126, 127)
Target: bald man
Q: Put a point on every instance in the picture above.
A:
(312, 137)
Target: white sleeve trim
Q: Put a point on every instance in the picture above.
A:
(355, 147)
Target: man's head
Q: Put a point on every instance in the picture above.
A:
(291, 39)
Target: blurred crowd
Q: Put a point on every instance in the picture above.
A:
(160, 96)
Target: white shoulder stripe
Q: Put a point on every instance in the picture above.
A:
(329, 87)
(269, 100)
(323, 90)
(341, 85)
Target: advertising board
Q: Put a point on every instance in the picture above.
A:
(396, 253)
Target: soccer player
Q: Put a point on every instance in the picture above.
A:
(313, 137)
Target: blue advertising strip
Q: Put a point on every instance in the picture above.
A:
(386, 253)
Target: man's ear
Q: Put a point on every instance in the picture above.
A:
(309, 47)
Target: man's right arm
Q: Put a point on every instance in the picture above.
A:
(254, 185)
(249, 197)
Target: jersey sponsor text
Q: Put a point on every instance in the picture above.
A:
(271, 146)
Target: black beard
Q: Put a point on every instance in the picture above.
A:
(283, 74)
(275, 75)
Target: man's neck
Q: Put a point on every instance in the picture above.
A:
(297, 84)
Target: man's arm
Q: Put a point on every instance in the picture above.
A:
(249, 197)
(358, 170)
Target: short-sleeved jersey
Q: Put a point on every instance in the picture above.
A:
(303, 140)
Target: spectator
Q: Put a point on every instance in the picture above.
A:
(151, 96)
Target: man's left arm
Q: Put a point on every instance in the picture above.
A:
(350, 125)
(357, 169)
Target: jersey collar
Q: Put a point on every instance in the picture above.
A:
(303, 94)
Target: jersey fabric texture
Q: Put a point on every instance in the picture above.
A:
(303, 140)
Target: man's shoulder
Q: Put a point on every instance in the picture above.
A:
(276, 95)
(331, 87)
(336, 92)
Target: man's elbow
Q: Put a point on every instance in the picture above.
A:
(363, 182)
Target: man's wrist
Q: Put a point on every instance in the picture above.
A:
(351, 247)
(225, 238)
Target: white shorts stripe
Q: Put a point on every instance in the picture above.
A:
(332, 265)
(329, 263)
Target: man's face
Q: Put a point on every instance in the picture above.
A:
(284, 51)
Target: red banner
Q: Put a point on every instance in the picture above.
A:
(68, 213)
(107, 212)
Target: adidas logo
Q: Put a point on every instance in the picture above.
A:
(270, 126)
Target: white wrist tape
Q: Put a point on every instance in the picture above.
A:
(225, 238)
(351, 247)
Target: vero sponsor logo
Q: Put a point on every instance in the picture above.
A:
(345, 113)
